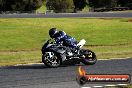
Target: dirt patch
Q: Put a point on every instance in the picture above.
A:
(20, 50)
(125, 44)
(117, 53)
(130, 20)
(107, 18)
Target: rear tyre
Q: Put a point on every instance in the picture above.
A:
(90, 58)
(50, 59)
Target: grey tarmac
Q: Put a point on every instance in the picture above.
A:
(39, 76)
(71, 15)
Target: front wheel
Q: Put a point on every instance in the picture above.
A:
(51, 59)
(89, 57)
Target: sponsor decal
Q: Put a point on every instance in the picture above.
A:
(83, 78)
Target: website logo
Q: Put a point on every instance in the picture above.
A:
(84, 78)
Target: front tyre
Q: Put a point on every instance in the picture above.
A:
(89, 57)
(51, 59)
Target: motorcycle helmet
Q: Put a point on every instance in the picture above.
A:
(52, 32)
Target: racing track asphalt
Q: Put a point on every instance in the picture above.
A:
(39, 76)
(68, 15)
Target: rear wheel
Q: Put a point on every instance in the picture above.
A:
(51, 59)
(89, 58)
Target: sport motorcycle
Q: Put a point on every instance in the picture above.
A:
(54, 55)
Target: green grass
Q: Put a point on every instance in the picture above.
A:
(85, 10)
(42, 9)
(130, 86)
(19, 57)
(21, 39)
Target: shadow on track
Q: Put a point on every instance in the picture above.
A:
(26, 67)
(36, 66)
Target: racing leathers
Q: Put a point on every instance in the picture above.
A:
(69, 41)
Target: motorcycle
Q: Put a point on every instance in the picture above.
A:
(54, 55)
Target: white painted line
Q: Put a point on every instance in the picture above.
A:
(97, 86)
(115, 58)
(122, 84)
(28, 64)
(104, 59)
(86, 87)
(110, 85)
(120, 58)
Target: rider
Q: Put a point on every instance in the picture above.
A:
(61, 36)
